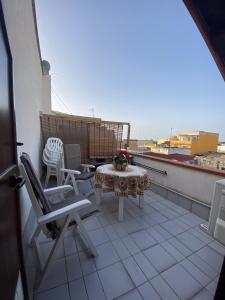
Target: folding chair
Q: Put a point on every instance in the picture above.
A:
(56, 209)
(74, 170)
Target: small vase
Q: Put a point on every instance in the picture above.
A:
(120, 167)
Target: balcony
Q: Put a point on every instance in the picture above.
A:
(149, 255)
(158, 252)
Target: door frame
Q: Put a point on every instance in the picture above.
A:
(13, 119)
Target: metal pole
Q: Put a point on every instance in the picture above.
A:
(128, 136)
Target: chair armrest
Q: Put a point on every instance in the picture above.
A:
(58, 189)
(74, 172)
(87, 166)
(63, 212)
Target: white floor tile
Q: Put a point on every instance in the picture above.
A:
(110, 231)
(115, 281)
(94, 287)
(211, 257)
(77, 290)
(145, 265)
(106, 256)
(203, 266)
(172, 251)
(120, 249)
(130, 245)
(184, 285)
(70, 245)
(92, 223)
(163, 289)
(133, 295)
(55, 276)
(202, 278)
(147, 292)
(98, 236)
(159, 258)
(73, 267)
(203, 295)
(142, 239)
(190, 241)
(87, 263)
(134, 271)
(58, 293)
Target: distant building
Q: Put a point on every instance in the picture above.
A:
(170, 150)
(212, 160)
(135, 144)
(196, 141)
(163, 142)
(132, 143)
(149, 144)
(221, 148)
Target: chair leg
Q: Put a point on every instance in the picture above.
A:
(92, 190)
(121, 204)
(33, 242)
(85, 234)
(54, 250)
(75, 185)
(47, 177)
(141, 201)
(39, 253)
(34, 235)
(98, 196)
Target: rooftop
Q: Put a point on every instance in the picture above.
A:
(196, 132)
(150, 255)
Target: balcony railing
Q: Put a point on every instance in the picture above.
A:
(196, 188)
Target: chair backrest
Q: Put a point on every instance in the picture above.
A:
(54, 148)
(37, 196)
(54, 144)
(72, 156)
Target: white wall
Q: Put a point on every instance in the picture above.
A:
(28, 82)
(193, 183)
(46, 94)
(221, 148)
(171, 150)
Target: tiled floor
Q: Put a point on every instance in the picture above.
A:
(158, 252)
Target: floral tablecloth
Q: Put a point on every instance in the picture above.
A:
(134, 181)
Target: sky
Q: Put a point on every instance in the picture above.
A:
(139, 61)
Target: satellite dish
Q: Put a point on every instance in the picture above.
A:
(45, 67)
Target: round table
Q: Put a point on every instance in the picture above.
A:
(133, 181)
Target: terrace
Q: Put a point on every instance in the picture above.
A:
(158, 251)
(154, 250)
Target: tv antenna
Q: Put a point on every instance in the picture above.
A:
(171, 132)
(92, 112)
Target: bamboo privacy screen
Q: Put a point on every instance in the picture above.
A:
(97, 138)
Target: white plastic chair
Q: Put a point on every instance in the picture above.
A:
(73, 170)
(54, 148)
(55, 213)
(52, 157)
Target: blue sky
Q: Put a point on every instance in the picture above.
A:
(141, 61)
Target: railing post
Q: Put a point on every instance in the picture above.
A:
(128, 136)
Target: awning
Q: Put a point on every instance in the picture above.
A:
(209, 16)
